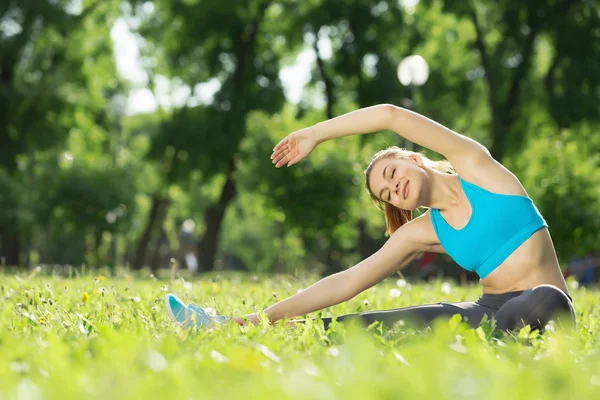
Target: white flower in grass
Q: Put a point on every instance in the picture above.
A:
(156, 361)
(19, 367)
(268, 353)
(468, 387)
(574, 285)
(187, 286)
(311, 369)
(446, 288)
(401, 283)
(218, 357)
(395, 292)
(401, 359)
(28, 390)
(333, 351)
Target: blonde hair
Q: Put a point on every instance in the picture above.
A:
(396, 217)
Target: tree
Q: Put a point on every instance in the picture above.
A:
(235, 50)
(525, 29)
(53, 64)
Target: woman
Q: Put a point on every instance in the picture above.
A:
(480, 216)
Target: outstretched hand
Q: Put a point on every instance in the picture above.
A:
(294, 147)
(253, 318)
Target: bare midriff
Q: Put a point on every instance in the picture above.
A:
(531, 264)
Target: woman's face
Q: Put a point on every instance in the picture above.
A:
(399, 182)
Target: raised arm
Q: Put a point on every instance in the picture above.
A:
(408, 124)
(399, 250)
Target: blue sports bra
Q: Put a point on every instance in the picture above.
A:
(499, 224)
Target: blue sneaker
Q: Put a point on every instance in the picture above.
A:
(186, 316)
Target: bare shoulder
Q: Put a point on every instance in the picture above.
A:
(483, 170)
(421, 233)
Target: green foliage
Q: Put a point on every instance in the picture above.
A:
(45, 75)
(311, 195)
(66, 338)
(562, 177)
(518, 43)
(520, 78)
(102, 198)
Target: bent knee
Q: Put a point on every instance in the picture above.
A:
(536, 307)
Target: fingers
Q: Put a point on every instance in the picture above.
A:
(280, 155)
(286, 158)
(283, 156)
(286, 152)
(279, 145)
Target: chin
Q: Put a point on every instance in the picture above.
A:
(414, 198)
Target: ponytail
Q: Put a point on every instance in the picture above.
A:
(395, 218)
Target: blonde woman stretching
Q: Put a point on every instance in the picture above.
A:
(481, 216)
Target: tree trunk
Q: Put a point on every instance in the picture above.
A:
(332, 265)
(10, 248)
(97, 244)
(329, 94)
(213, 219)
(245, 48)
(155, 218)
(504, 109)
(367, 245)
(157, 257)
(499, 132)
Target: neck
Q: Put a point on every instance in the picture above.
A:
(445, 191)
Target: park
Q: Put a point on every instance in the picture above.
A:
(317, 199)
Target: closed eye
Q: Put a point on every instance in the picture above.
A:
(393, 172)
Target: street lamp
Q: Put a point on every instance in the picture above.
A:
(118, 102)
(413, 72)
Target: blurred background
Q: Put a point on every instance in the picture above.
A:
(133, 132)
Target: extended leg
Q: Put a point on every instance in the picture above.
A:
(421, 315)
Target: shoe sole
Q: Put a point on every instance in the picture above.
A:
(170, 312)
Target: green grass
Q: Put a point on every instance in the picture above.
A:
(80, 338)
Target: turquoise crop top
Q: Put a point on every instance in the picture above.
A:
(499, 224)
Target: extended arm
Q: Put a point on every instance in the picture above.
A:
(402, 247)
(417, 128)
(408, 124)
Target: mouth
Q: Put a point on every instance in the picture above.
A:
(405, 190)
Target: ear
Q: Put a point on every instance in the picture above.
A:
(417, 158)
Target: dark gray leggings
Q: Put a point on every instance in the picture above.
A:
(511, 310)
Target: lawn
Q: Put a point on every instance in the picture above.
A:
(92, 336)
